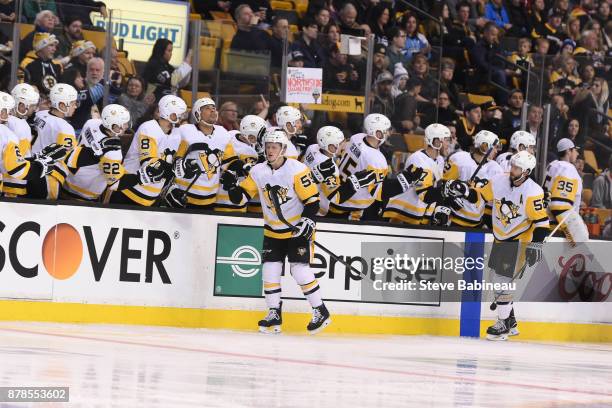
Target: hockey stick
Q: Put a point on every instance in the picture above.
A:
(521, 271)
(281, 217)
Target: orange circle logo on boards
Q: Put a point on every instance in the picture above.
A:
(62, 251)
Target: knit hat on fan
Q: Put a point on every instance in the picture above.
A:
(79, 47)
(41, 40)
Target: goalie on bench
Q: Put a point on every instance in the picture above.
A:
(284, 185)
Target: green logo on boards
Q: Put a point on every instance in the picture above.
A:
(238, 265)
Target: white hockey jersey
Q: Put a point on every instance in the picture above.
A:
(312, 158)
(295, 186)
(211, 151)
(12, 186)
(565, 187)
(357, 156)
(247, 154)
(148, 145)
(409, 206)
(89, 182)
(517, 211)
(12, 162)
(504, 161)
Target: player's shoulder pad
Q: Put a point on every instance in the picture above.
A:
(532, 188)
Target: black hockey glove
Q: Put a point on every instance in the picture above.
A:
(323, 170)
(185, 168)
(455, 188)
(362, 179)
(533, 253)
(239, 168)
(108, 144)
(53, 151)
(410, 176)
(441, 216)
(305, 228)
(176, 198)
(300, 142)
(228, 180)
(155, 172)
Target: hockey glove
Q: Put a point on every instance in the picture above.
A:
(176, 198)
(362, 179)
(305, 228)
(108, 144)
(410, 176)
(53, 151)
(228, 180)
(324, 170)
(300, 142)
(45, 163)
(155, 172)
(441, 216)
(185, 168)
(238, 168)
(455, 188)
(533, 253)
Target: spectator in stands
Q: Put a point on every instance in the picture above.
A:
(419, 68)
(7, 11)
(337, 73)
(81, 9)
(406, 118)
(573, 30)
(460, 37)
(517, 13)
(602, 188)
(380, 62)
(537, 15)
(395, 50)
(44, 23)
(591, 106)
(489, 64)
(41, 70)
(523, 59)
(261, 9)
(491, 117)
(469, 125)
(330, 38)
(534, 120)
(572, 132)
(82, 51)
(587, 75)
(204, 7)
(588, 45)
(308, 45)
(163, 78)
(558, 119)
(583, 10)
(31, 8)
(564, 80)
(295, 59)
(446, 111)
(72, 32)
(92, 93)
(383, 99)
(442, 25)
(323, 18)
(348, 20)
(134, 98)
(446, 81)
(249, 37)
(511, 116)
(228, 116)
(415, 41)
(603, 13)
(552, 31)
(379, 22)
(280, 30)
(400, 80)
(496, 12)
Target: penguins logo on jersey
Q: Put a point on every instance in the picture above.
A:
(282, 193)
(211, 160)
(507, 209)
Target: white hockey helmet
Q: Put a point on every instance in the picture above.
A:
(485, 136)
(522, 138)
(288, 115)
(172, 105)
(436, 131)
(253, 127)
(114, 114)
(375, 123)
(524, 160)
(62, 93)
(7, 103)
(197, 108)
(276, 136)
(26, 94)
(330, 136)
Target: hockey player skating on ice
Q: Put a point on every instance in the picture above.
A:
(290, 183)
(320, 158)
(519, 217)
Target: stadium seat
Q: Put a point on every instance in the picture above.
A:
(96, 37)
(293, 28)
(591, 161)
(126, 66)
(291, 16)
(301, 6)
(208, 57)
(221, 29)
(587, 193)
(25, 29)
(221, 15)
(186, 96)
(281, 5)
(414, 142)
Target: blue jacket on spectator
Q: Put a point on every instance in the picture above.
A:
(314, 56)
(497, 15)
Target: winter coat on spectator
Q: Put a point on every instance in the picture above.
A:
(255, 40)
(163, 78)
(602, 191)
(497, 15)
(314, 57)
(136, 106)
(415, 43)
(88, 97)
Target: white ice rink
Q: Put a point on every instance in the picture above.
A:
(135, 366)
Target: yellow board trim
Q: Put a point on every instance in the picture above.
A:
(41, 311)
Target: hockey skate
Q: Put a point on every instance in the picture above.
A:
(512, 325)
(499, 331)
(271, 324)
(320, 319)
